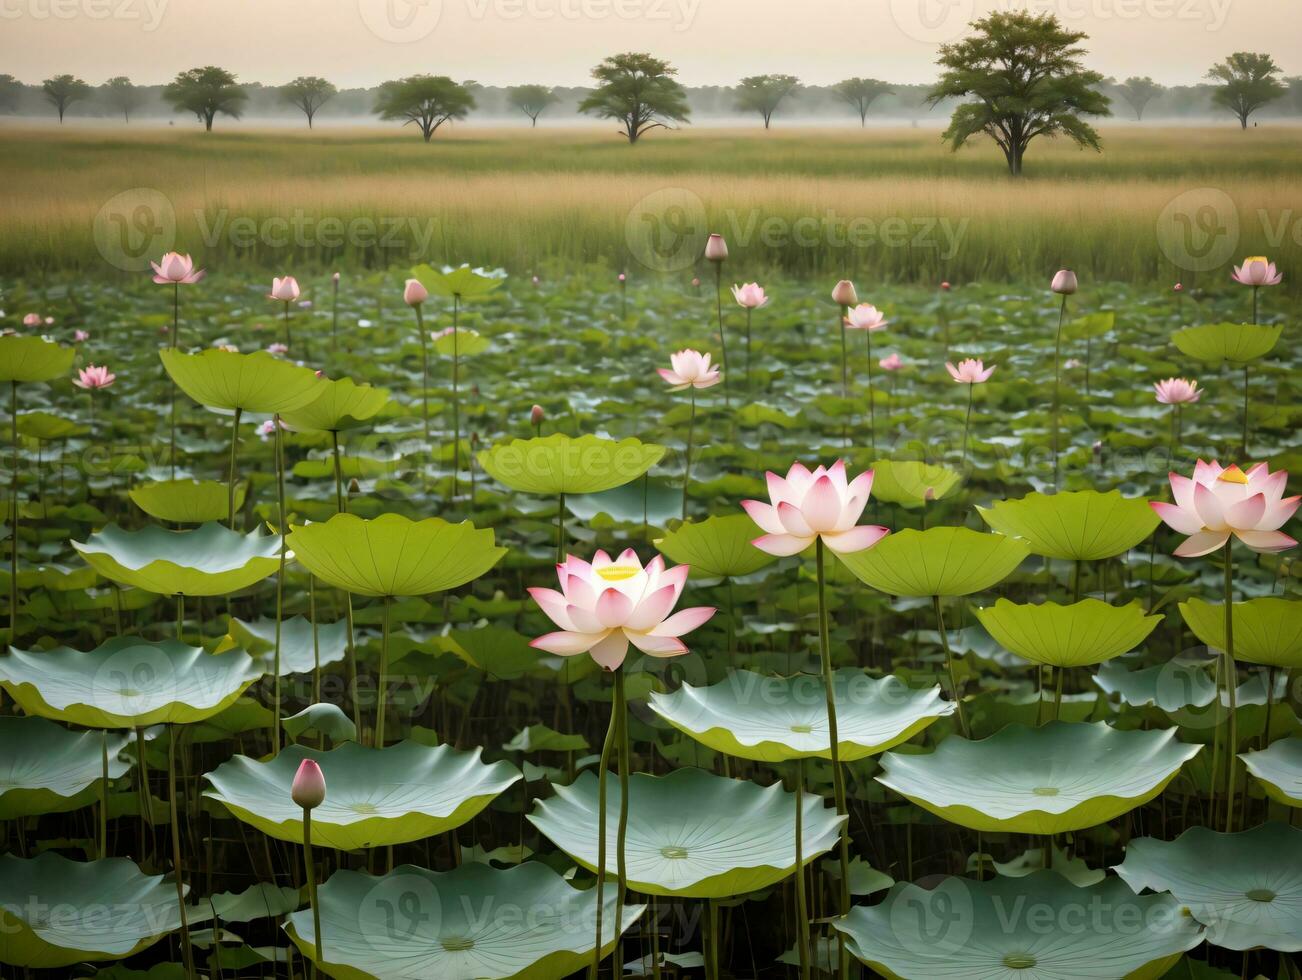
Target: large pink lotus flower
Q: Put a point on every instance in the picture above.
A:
(970, 371)
(750, 295)
(92, 378)
(1219, 502)
(1257, 270)
(808, 505)
(285, 290)
(865, 316)
(1175, 391)
(176, 269)
(690, 369)
(606, 605)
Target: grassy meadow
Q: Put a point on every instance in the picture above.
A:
(891, 203)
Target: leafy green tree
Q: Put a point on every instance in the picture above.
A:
(122, 95)
(1248, 82)
(206, 92)
(63, 90)
(763, 93)
(531, 100)
(1139, 91)
(861, 93)
(308, 93)
(637, 91)
(426, 100)
(10, 90)
(1021, 77)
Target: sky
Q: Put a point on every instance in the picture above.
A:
(504, 42)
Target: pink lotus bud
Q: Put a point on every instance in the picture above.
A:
(891, 362)
(695, 281)
(81, 335)
(843, 294)
(335, 277)
(309, 787)
(536, 280)
(716, 249)
(1178, 288)
(1064, 282)
(944, 287)
(536, 415)
(622, 277)
(413, 294)
(32, 320)
(285, 290)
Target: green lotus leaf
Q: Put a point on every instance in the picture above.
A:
(208, 560)
(462, 282)
(1084, 633)
(502, 654)
(55, 912)
(374, 797)
(775, 719)
(186, 501)
(300, 651)
(391, 555)
(691, 833)
(323, 719)
(1062, 776)
(44, 427)
(1175, 685)
(945, 561)
(1244, 887)
(1235, 342)
(257, 382)
(718, 547)
(1091, 325)
(467, 343)
(25, 359)
(558, 463)
(260, 901)
(45, 768)
(1266, 630)
(1074, 869)
(651, 500)
(906, 482)
(127, 682)
(342, 404)
(471, 923)
(1279, 769)
(1039, 927)
(1084, 525)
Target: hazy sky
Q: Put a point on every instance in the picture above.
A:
(362, 42)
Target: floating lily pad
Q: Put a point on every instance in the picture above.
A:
(127, 682)
(341, 404)
(502, 654)
(690, 833)
(55, 912)
(718, 547)
(391, 555)
(1245, 887)
(1084, 633)
(45, 768)
(44, 427)
(1084, 525)
(257, 382)
(1279, 769)
(208, 560)
(1266, 630)
(906, 482)
(774, 719)
(323, 719)
(1062, 776)
(374, 797)
(463, 282)
(558, 463)
(26, 359)
(1177, 684)
(467, 343)
(944, 561)
(1039, 927)
(185, 501)
(653, 500)
(1235, 342)
(298, 651)
(472, 923)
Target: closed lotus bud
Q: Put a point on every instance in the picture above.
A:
(309, 788)
(695, 281)
(844, 295)
(1064, 282)
(1178, 288)
(414, 293)
(536, 415)
(354, 487)
(716, 249)
(335, 277)
(944, 287)
(622, 278)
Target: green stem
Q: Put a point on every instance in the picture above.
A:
(872, 411)
(1243, 446)
(1231, 685)
(310, 867)
(104, 794)
(287, 337)
(424, 372)
(1057, 380)
(802, 901)
(456, 394)
(949, 660)
(177, 870)
(230, 470)
(176, 316)
(13, 520)
(280, 578)
(845, 374)
(749, 311)
(602, 767)
(712, 966)
(560, 527)
(334, 318)
(381, 695)
(723, 338)
(838, 775)
(621, 833)
(687, 459)
(967, 421)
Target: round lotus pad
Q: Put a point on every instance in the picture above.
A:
(44, 768)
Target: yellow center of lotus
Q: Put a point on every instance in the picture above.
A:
(1233, 475)
(618, 573)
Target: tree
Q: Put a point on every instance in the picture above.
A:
(531, 100)
(206, 92)
(1139, 92)
(63, 90)
(637, 91)
(1248, 82)
(309, 93)
(10, 90)
(426, 100)
(122, 95)
(861, 93)
(762, 93)
(1022, 77)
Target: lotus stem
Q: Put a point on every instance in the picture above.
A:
(309, 866)
(176, 317)
(621, 834)
(341, 503)
(967, 423)
(802, 901)
(1058, 671)
(712, 963)
(845, 374)
(104, 794)
(13, 512)
(287, 337)
(316, 639)
(749, 311)
(230, 470)
(1057, 383)
(602, 767)
(1243, 447)
(1089, 348)
(560, 527)
(456, 393)
(146, 811)
(177, 869)
(1231, 684)
(872, 412)
(949, 660)
(723, 337)
(381, 692)
(334, 318)
(687, 459)
(424, 371)
(280, 577)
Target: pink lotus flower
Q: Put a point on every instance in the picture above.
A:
(1064, 282)
(696, 281)
(285, 290)
(891, 362)
(623, 278)
(690, 369)
(750, 295)
(309, 787)
(92, 378)
(278, 349)
(80, 336)
(1174, 391)
(865, 316)
(843, 294)
(32, 320)
(536, 415)
(1219, 502)
(606, 605)
(970, 371)
(1178, 288)
(413, 294)
(716, 249)
(334, 278)
(268, 429)
(1257, 271)
(944, 286)
(809, 505)
(176, 269)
